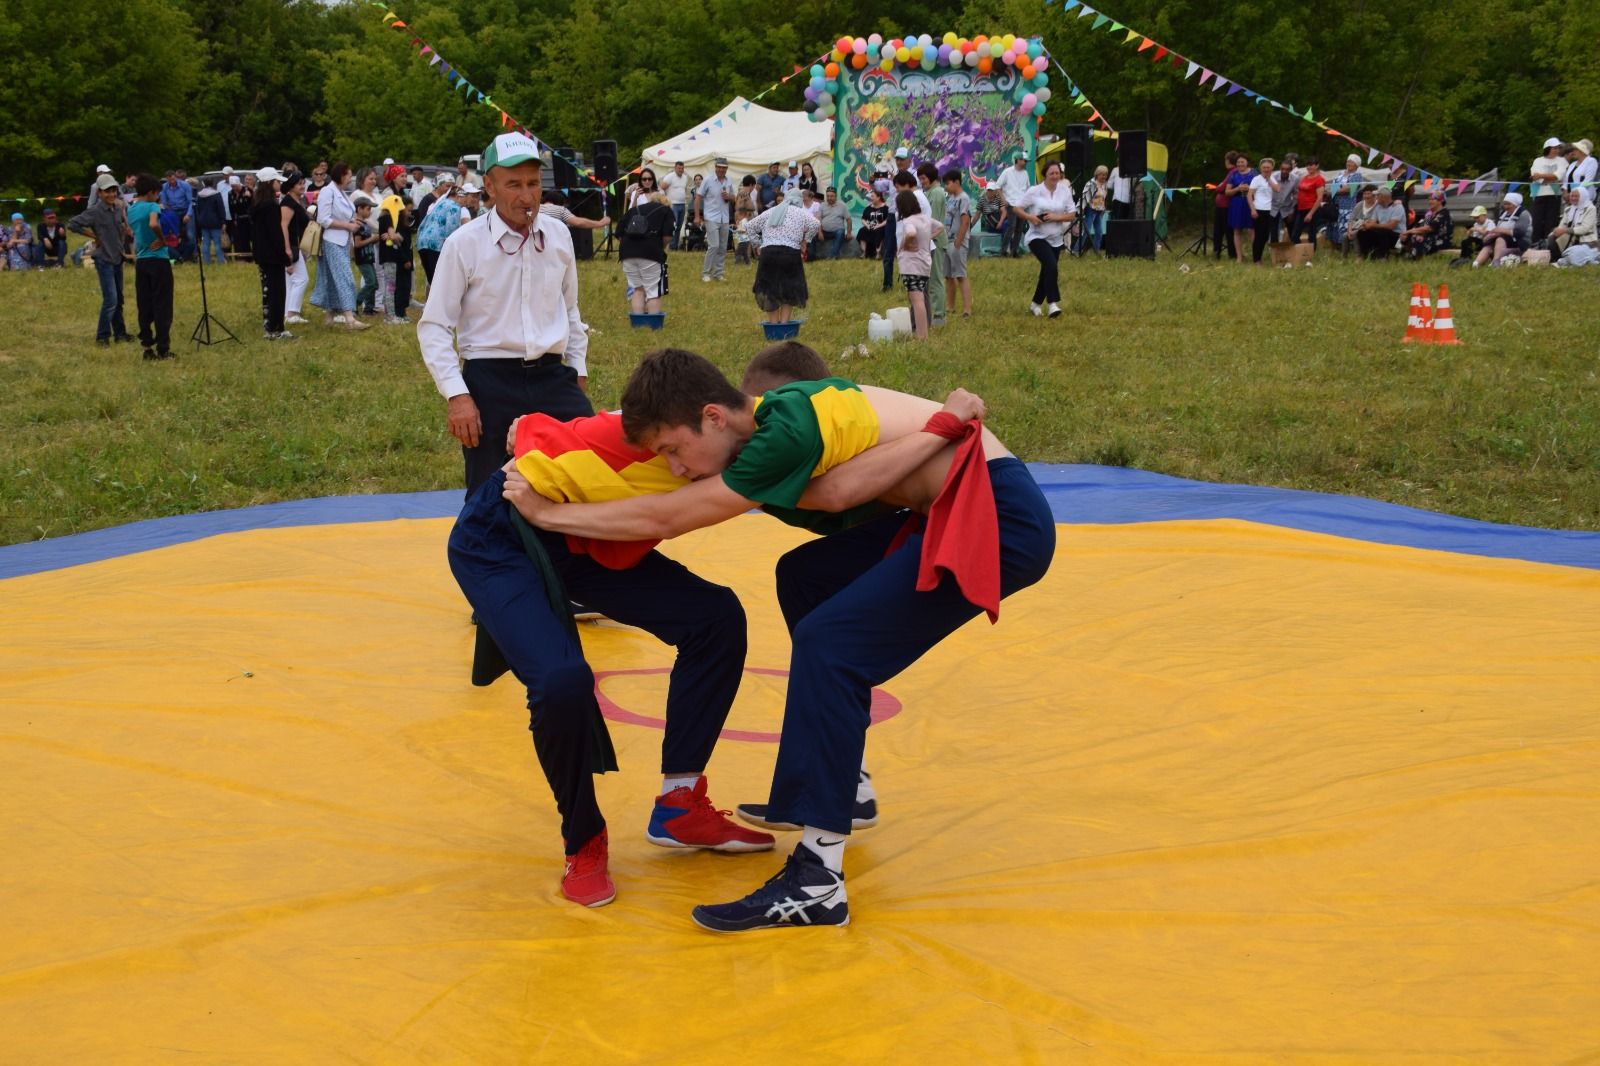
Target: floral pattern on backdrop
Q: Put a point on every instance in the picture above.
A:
(952, 118)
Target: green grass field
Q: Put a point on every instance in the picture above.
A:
(1220, 372)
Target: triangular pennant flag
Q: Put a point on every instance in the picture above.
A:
(705, 129)
(1168, 194)
(1219, 83)
(796, 70)
(1388, 160)
(1205, 75)
(1235, 87)
(1251, 94)
(718, 123)
(389, 16)
(1131, 35)
(1116, 27)
(747, 105)
(733, 116)
(425, 50)
(1192, 68)
(1094, 116)
(1290, 108)
(1372, 153)
(1087, 10)
(1307, 116)
(1161, 53)
(1178, 61)
(1099, 20)
(1068, 6)
(1276, 103)
(1080, 98)
(1411, 173)
(1461, 185)
(437, 58)
(397, 24)
(1146, 44)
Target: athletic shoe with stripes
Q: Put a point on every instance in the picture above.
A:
(686, 818)
(804, 892)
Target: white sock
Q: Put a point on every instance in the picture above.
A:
(672, 781)
(864, 789)
(828, 846)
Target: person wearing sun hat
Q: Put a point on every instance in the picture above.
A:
(1545, 185)
(501, 334)
(1511, 234)
(1581, 168)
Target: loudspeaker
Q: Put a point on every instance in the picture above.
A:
(566, 174)
(605, 162)
(1132, 161)
(1131, 237)
(1076, 155)
(585, 205)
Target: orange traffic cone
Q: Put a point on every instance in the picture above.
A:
(1444, 326)
(1417, 322)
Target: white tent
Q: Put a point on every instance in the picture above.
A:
(750, 137)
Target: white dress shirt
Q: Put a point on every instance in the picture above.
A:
(497, 296)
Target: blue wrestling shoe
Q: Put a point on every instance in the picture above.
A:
(804, 892)
(863, 814)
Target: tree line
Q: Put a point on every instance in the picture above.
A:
(1458, 86)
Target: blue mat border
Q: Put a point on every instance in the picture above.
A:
(1077, 494)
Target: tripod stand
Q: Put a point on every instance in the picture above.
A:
(207, 319)
(1201, 244)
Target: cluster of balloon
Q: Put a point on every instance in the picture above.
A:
(981, 53)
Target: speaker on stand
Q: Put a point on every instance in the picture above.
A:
(606, 175)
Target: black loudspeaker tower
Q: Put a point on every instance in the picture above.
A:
(1077, 154)
(1132, 159)
(585, 204)
(1131, 237)
(605, 162)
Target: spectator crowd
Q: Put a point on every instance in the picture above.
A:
(348, 241)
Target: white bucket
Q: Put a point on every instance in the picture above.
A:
(879, 329)
(900, 319)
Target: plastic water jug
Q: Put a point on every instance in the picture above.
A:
(879, 328)
(900, 319)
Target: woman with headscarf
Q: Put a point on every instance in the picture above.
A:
(337, 216)
(273, 251)
(1512, 233)
(1432, 231)
(1345, 188)
(783, 229)
(1575, 242)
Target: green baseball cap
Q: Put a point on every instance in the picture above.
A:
(509, 149)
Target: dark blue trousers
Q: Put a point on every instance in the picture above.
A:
(705, 622)
(856, 620)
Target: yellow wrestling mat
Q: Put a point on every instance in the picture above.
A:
(1214, 791)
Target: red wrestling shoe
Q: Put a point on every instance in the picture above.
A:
(586, 881)
(686, 818)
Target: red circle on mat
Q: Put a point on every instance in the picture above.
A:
(884, 706)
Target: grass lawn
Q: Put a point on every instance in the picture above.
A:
(1220, 372)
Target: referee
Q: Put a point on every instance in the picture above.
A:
(501, 333)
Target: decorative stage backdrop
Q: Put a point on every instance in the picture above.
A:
(957, 103)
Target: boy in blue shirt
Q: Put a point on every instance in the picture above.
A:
(152, 269)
